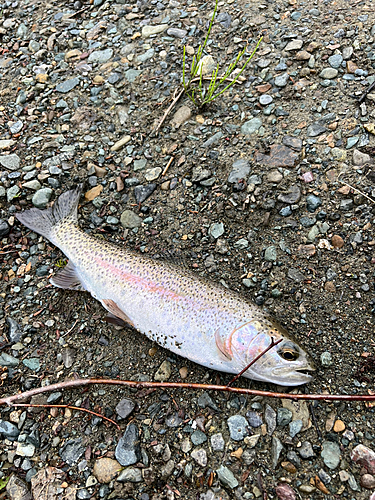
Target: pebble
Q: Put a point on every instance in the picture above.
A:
(276, 449)
(67, 85)
(4, 228)
(238, 426)
(330, 454)
(306, 450)
(284, 417)
(8, 430)
(217, 442)
(182, 115)
(282, 80)
(100, 56)
(72, 451)
(295, 427)
(313, 203)
(42, 197)
(251, 127)
(240, 170)
(128, 451)
(200, 456)
(285, 492)
(125, 407)
(270, 254)
(216, 230)
(148, 31)
(131, 474)
(227, 477)
(337, 241)
(326, 358)
(11, 161)
(368, 481)
(365, 457)
(141, 193)
(164, 372)
(292, 196)
(254, 419)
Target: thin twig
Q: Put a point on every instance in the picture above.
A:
(70, 408)
(312, 412)
(272, 344)
(367, 91)
(10, 400)
(354, 189)
(168, 165)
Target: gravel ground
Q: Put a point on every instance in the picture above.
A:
(269, 190)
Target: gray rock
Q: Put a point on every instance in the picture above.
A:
(198, 437)
(2, 191)
(227, 477)
(217, 442)
(328, 73)
(265, 99)
(139, 164)
(132, 474)
(293, 142)
(254, 419)
(173, 420)
(292, 196)
(315, 129)
(15, 331)
(125, 407)
(11, 162)
(270, 254)
(34, 184)
(212, 140)
(141, 193)
(294, 45)
(360, 159)
(153, 30)
(8, 430)
(295, 275)
(326, 358)
(128, 451)
(270, 419)
(176, 32)
(335, 60)
(276, 449)
(67, 86)
(238, 427)
(224, 19)
(282, 80)
(205, 401)
(306, 450)
(42, 197)
(130, 219)
(4, 228)
(295, 427)
(346, 205)
(313, 202)
(72, 451)
(17, 489)
(200, 456)
(132, 74)
(32, 363)
(330, 454)
(8, 360)
(240, 170)
(13, 192)
(68, 356)
(251, 127)
(100, 56)
(149, 54)
(216, 230)
(284, 416)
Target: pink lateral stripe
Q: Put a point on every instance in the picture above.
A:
(138, 280)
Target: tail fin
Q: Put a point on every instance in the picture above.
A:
(42, 221)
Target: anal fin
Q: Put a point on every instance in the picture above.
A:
(116, 315)
(67, 278)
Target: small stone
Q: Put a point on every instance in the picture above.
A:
(176, 32)
(152, 174)
(106, 469)
(331, 454)
(276, 449)
(326, 358)
(360, 159)
(11, 162)
(164, 372)
(119, 144)
(284, 416)
(338, 154)
(274, 176)
(93, 193)
(34, 184)
(265, 99)
(141, 193)
(8, 430)
(125, 407)
(181, 116)
(198, 437)
(365, 457)
(227, 477)
(200, 456)
(251, 441)
(306, 450)
(368, 481)
(285, 492)
(337, 241)
(251, 127)
(292, 196)
(67, 86)
(216, 230)
(207, 65)
(139, 164)
(335, 61)
(295, 427)
(313, 202)
(4, 228)
(132, 475)
(153, 30)
(183, 372)
(315, 129)
(72, 451)
(294, 45)
(130, 220)
(339, 426)
(217, 442)
(42, 197)
(127, 450)
(8, 360)
(132, 74)
(238, 426)
(328, 73)
(302, 55)
(270, 419)
(282, 80)
(240, 170)
(270, 254)
(6, 143)
(254, 419)
(17, 489)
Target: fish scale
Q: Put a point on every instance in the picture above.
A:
(183, 312)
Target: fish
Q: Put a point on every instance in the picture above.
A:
(190, 315)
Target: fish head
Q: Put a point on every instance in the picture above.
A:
(285, 363)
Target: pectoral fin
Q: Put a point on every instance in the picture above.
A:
(67, 278)
(116, 315)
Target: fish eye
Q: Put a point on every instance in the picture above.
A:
(288, 354)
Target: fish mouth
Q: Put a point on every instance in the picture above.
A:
(298, 376)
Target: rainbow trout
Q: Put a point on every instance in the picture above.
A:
(188, 315)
